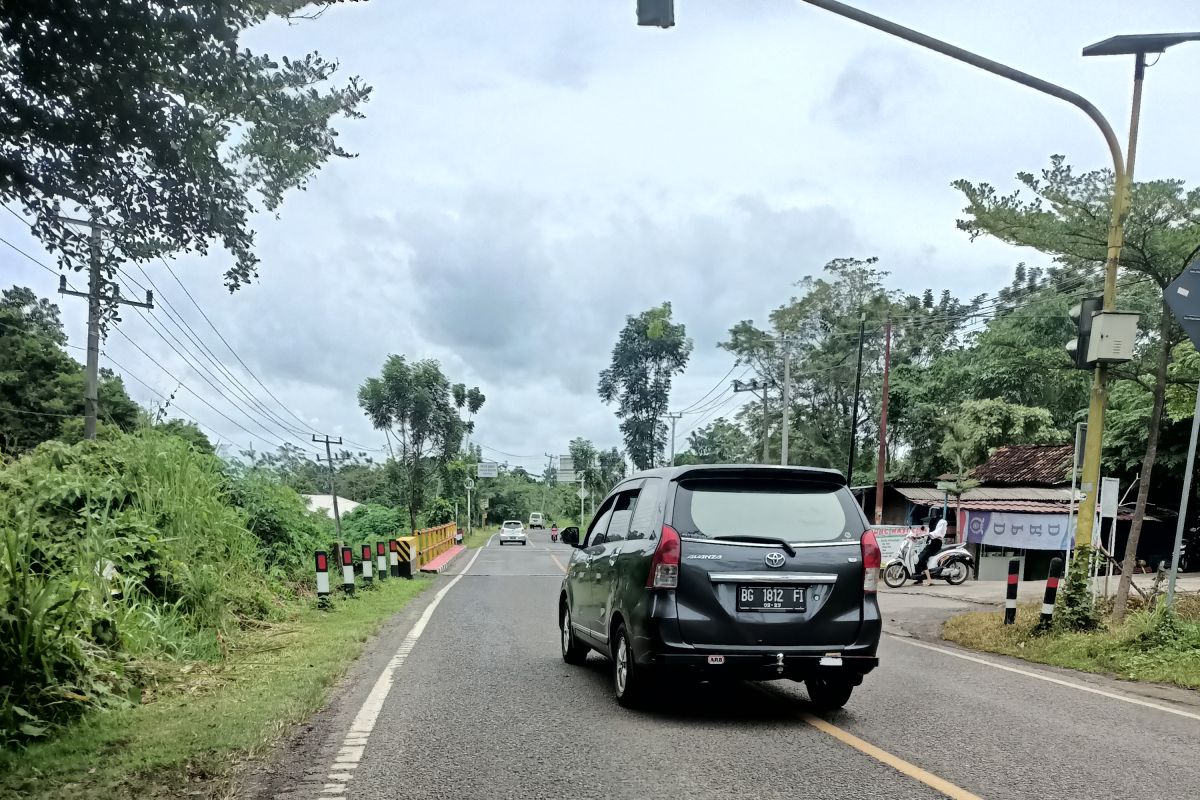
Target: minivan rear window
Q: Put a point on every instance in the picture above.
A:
(795, 511)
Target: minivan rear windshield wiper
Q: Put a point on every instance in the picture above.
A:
(760, 539)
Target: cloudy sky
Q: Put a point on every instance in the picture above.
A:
(530, 173)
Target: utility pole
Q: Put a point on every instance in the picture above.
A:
(757, 386)
(329, 459)
(95, 296)
(862, 327)
(787, 399)
(546, 482)
(881, 463)
(673, 416)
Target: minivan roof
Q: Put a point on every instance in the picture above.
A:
(819, 474)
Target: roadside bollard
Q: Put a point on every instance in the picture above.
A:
(381, 560)
(322, 579)
(1010, 600)
(347, 571)
(366, 565)
(394, 555)
(1056, 570)
(407, 556)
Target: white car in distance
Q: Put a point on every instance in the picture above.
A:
(513, 531)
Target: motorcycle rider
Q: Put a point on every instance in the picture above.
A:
(936, 537)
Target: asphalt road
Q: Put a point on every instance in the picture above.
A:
(482, 706)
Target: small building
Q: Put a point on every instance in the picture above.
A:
(324, 502)
(1020, 509)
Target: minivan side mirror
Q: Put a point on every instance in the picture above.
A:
(570, 536)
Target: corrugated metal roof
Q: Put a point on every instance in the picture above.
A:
(925, 495)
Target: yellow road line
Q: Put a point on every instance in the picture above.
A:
(556, 561)
(895, 762)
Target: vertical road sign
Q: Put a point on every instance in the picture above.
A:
(1183, 296)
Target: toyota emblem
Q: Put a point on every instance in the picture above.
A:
(775, 559)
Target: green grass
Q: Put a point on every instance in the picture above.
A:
(203, 719)
(479, 536)
(1148, 646)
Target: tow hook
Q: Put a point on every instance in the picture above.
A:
(779, 663)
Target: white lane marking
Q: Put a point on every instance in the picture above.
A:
(1059, 681)
(351, 754)
(340, 777)
(364, 721)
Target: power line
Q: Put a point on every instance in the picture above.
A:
(126, 372)
(204, 374)
(40, 413)
(197, 395)
(175, 318)
(245, 366)
(19, 330)
(510, 455)
(716, 386)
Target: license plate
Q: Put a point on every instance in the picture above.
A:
(770, 598)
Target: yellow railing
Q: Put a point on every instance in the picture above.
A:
(432, 542)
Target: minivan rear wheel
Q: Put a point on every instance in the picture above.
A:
(828, 694)
(573, 651)
(629, 679)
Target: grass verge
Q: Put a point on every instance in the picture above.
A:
(1148, 646)
(204, 719)
(479, 536)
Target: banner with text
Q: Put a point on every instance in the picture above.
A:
(1018, 531)
(890, 537)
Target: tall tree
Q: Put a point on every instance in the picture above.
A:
(719, 442)
(158, 120)
(650, 351)
(416, 405)
(1065, 214)
(820, 328)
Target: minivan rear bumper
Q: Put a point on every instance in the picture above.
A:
(663, 648)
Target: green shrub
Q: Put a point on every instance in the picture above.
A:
(287, 532)
(374, 523)
(112, 549)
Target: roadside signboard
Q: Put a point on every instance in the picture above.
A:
(1183, 296)
(487, 469)
(890, 537)
(566, 470)
(582, 494)
(1109, 491)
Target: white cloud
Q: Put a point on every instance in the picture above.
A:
(531, 173)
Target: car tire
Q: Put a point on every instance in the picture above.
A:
(630, 681)
(573, 651)
(524, 543)
(828, 694)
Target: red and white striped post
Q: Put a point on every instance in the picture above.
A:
(347, 571)
(322, 577)
(394, 555)
(366, 565)
(1056, 571)
(1010, 599)
(381, 568)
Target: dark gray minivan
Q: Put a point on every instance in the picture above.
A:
(726, 571)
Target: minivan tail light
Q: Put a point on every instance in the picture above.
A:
(872, 561)
(664, 568)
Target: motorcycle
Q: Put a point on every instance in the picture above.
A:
(953, 563)
(554, 534)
